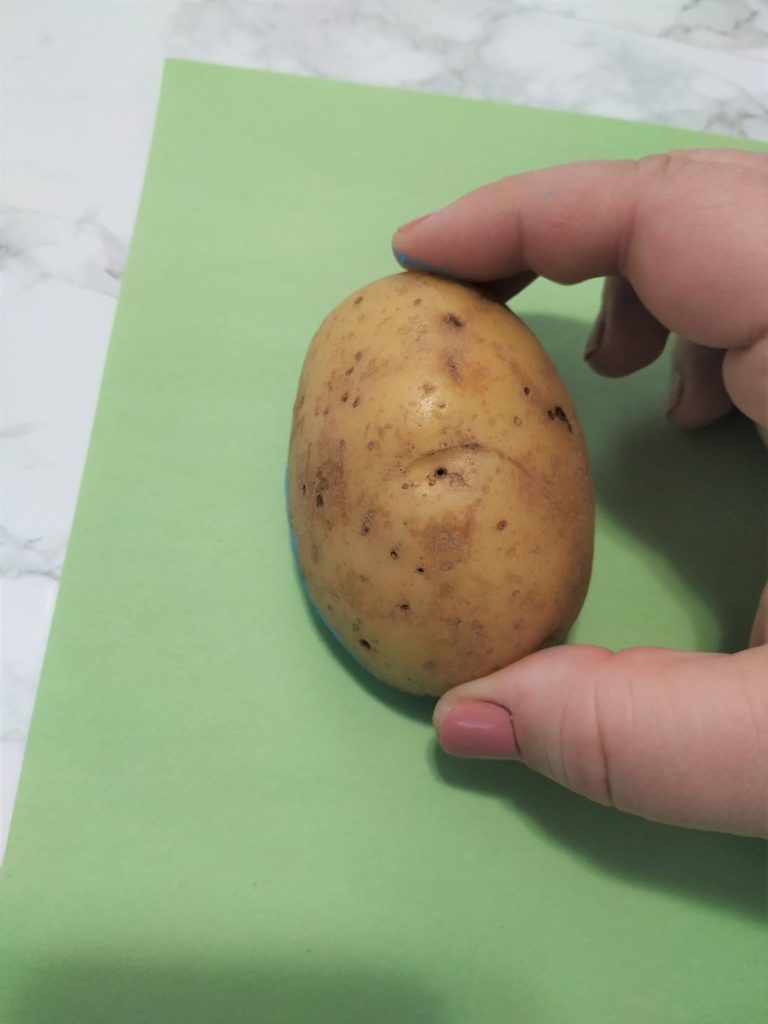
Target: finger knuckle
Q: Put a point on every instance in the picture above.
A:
(587, 761)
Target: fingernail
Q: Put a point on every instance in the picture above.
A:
(409, 263)
(595, 339)
(412, 223)
(676, 393)
(478, 729)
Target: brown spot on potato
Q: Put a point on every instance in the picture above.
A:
(453, 365)
(356, 403)
(502, 524)
(365, 529)
(526, 391)
(345, 397)
(319, 500)
(405, 607)
(365, 644)
(359, 299)
(453, 320)
(349, 371)
(428, 388)
(517, 421)
(358, 356)
(417, 302)
(393, 553)
(446, 538)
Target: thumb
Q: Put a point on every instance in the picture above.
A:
(670, 735)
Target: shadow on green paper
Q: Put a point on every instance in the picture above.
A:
(129, 991)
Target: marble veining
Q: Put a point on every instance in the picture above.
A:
(80, 252)
(81, 82)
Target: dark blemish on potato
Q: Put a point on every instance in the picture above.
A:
(428, 388)
(421, 569)
(453, 320)
(356, 403)
(478, 629)
(351, 370)
(404, 487)
(365, 529)
(452, 364)
(303, 488)
(356, 626)
(359, 299)
(526, 391)
(551, 414)
(441, 471)
(363, 579)
(417, 302)
(371, 445)
(561, 415)
(502, 524)
(393, 553)
(358, 356)
(472, 446)
(319, 500)
(517, 421)
(405, 607)
(365, 644)
(326, 410)
(345, 397)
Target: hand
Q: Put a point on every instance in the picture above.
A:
(682, 240)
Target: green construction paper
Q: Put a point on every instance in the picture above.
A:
(221, 818)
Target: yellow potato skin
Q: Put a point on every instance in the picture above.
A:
(438, 484)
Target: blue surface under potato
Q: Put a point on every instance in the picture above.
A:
(292, 536)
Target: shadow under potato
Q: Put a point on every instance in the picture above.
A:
(699, 498)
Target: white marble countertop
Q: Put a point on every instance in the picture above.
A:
(80, 82)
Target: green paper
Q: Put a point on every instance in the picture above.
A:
(221, 818)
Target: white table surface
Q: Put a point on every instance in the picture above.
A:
(80, 82)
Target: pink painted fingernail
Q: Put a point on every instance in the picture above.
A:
(412, 223)
(478, 729)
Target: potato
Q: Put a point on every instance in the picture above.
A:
(438, 485)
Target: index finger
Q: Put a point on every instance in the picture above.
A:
(688, 230)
